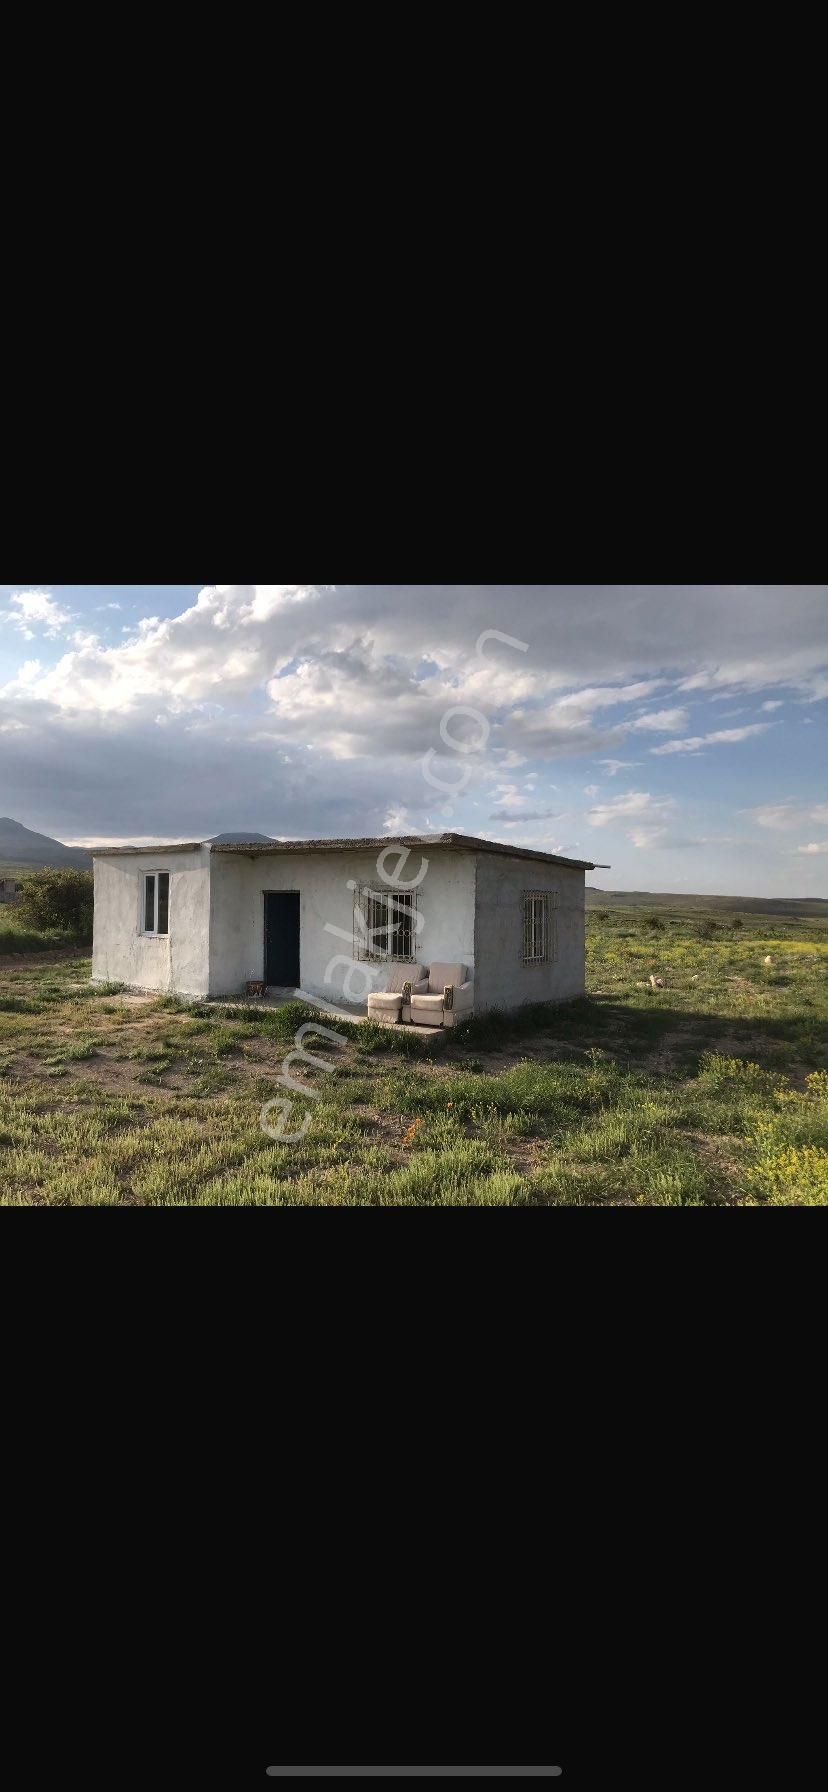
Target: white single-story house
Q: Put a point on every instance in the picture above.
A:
(337, 919)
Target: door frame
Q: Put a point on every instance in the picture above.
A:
(265, 894)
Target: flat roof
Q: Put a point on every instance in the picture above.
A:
(127, 852)
(256, 849)
(451, 842)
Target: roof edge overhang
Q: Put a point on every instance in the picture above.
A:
(257, 849)
(418, 842)
(135, 852)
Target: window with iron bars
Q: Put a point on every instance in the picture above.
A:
(386, 924)
(539, 926)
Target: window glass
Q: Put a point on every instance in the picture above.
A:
(163, 902)
(149, 904)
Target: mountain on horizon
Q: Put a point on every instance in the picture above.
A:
(20, 846)
(241, 840)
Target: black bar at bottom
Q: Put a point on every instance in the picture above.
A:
(503, 1773)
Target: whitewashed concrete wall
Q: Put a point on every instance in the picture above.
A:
(328, 969)
(471, 905)
(502, 979)
(122, 953)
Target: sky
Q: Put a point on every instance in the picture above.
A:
(677, 733)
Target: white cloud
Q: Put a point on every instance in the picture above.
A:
(663, 721)
(591, 790)
(310, 708)
(777, 703)
(608, 696)
(646, 815)
(814, 847)
(789, 814)
(644, 837)
(722, 736)
(775, 815)
(36, 612)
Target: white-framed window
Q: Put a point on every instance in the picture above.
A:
(386, 925)
(539, 926)
(155, 902)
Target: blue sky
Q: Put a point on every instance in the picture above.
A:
(676, 732)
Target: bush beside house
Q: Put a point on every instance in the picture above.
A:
(59, 901)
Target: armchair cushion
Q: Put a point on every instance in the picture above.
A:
(427, 1005)
(400, 974)
(450, 998)
(442, 975)
(388, 1004)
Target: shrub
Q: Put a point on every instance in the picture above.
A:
(796, 1176)
(59, 900)
(655, 923)
(707, 929)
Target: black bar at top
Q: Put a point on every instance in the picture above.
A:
(505, 1773)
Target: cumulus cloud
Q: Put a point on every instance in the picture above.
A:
(36, 612)
(643, 817)
(635, 637)
(309, 708)
(814, 847)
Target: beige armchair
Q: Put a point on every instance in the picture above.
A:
(387, 1004)
(448, 999)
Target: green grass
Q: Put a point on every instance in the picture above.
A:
(709, 1091)
(15, 938)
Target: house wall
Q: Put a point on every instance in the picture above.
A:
(328, 968)
(471, 907)
(121, 953)
(502, 979)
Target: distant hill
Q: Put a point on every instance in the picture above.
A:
(22, 849)
(802, 907)
(240, 839)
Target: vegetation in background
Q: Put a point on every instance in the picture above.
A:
(58, 901)
(706, 1087)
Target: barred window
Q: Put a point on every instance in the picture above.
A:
(386, 925)
(539, 926)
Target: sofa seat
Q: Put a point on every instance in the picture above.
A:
(387, 1004)
(429, 1005)
(448, 999)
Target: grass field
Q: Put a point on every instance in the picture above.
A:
(710, 1090)
(16, 938)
